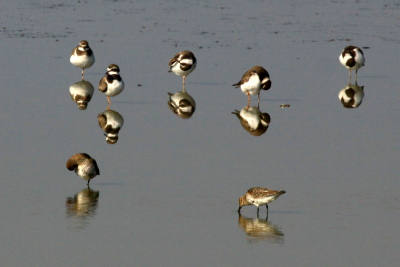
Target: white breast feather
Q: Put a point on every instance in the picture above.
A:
(252, 86)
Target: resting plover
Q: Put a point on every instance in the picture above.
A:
(81, 93)
(259, 196)
(111, 122)
(182, 104)
(82, 56)
(253, 81)
(111, 84)
(352, 57)
(183, 64)
(84, 166)
(253, 121)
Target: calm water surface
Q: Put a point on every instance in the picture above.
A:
(168, 190)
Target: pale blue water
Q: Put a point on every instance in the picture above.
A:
(168, 190)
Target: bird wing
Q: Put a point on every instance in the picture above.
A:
(103, 84)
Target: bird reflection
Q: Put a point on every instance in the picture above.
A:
(82, 207)
(260, 230)
(81, 93)
(182, 104)
(352, 95)
(111, 122)
(253, 120)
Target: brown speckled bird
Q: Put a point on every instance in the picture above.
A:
(259, 196)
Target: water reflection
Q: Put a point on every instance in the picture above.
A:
(260, 230)
(82, 207)
(253, 120)
(81, 93)
(111, 122)
(352, 95)
(182, 104)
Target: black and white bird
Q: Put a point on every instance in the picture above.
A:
(352, 57)
(111, 84)
(84, 166)
(183, 64)
(253, 81)
(111, 122)
(82, 56)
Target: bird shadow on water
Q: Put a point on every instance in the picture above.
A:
(81, 208)
(253, 120)
(182, 104)
(351, 96)
(110, 121)
(260, 229)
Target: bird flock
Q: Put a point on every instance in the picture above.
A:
(182, 64)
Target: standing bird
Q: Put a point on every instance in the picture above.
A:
(82, 56)
(183, 64)
(111, 84)
(352, 57)
(259, 196)
(253, 81)
(84, 166)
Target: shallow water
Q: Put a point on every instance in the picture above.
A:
(168, 190)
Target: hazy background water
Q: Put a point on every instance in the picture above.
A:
(168, 190)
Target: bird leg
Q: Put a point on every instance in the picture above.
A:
(248, 99)
(108, 108)
(184, 90)
(108, 99)
(266, 205)
(349, 73)
(259, 97)
(356, 74)
(184, 80)
(258, 211)
(82, 74)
